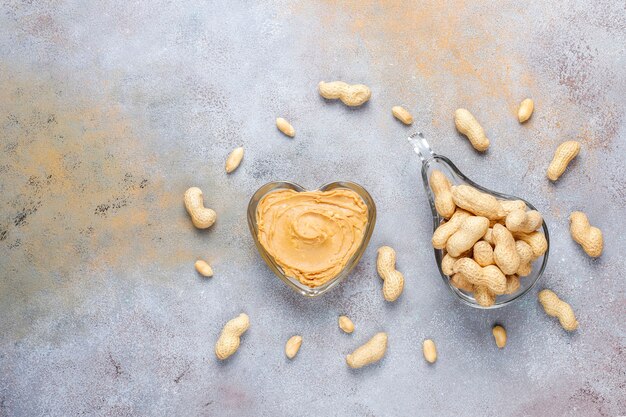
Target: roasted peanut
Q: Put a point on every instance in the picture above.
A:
(564, 153)
(469, 126)
(512, 284)
(525, 110)
(229, 339)
(203, 268)
(489, 236)
(587, 236)
(477, 202)
(510, 205)
(492, 279)
(472, 229)
(556, 307)
(483, 253)
(447, 264)
(523, 221)
(293, 346)
(441, 186)
(459, 281)
(499, 334)
(430, 351)
(484, 297)
(489, 276)
(504, 252)
(234, 159)
(525, 253)
(201, 217)
(402, 114)
(447, 229)
(393, 280)
(285, 127)
(370, 352)
(536, 240)
(350, 95)
(346, 324)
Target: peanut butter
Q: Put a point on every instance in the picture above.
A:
(311, 235)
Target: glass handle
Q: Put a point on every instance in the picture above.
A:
(421, 146)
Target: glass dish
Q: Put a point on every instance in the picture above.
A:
(293, 283)
(432, 161)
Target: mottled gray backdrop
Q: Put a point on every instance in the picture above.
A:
(109, 110)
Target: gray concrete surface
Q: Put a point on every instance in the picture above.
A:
(110, 110)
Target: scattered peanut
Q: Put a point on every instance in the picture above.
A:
(556, 307)
(393, 280)
(346, 324)
(536, 240)
(525, 110)
(504, 253)
(370, 352)
(402, 114)
(441, 186)
(499, 334)
(564, 153)
(477, 202)
(444, 231)
(201, 217)
(470, 232)
(285, 127)
(587, 236)
(229, 339)
(525, 253)
(483, 253)
(293, 346)
(512, 284)
(484, 297)
(490, 276)
(459, 281)
(469, 126)
(430, 351)
(203, 268)
(350, 95)
(234, 159)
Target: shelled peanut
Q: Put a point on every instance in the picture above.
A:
(489, 244)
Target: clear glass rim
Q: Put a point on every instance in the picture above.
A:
(293, 283)
(464, 298)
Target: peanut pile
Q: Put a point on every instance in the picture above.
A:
(488, 243)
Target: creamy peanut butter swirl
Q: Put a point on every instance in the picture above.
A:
(313, 234)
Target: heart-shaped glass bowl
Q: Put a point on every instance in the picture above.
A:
(431, 162)
(293, 283)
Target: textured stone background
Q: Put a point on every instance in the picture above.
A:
(109, 110)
